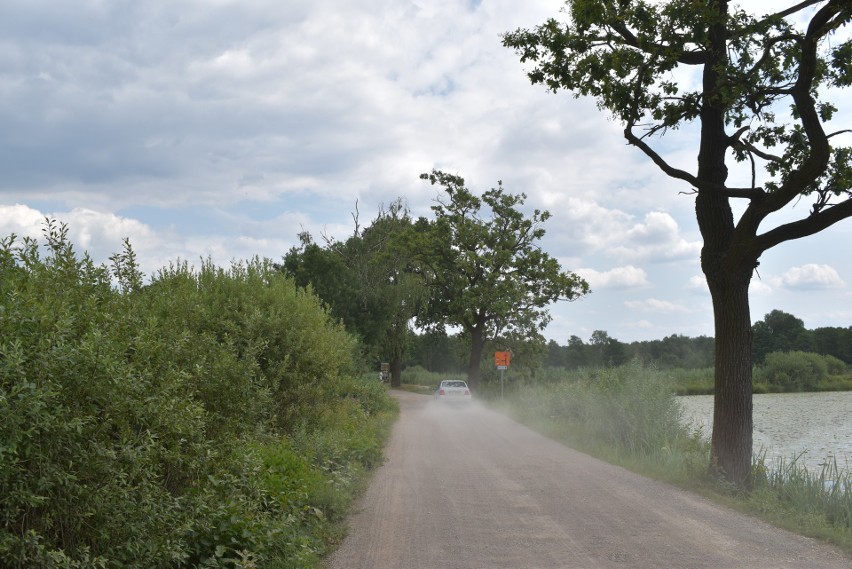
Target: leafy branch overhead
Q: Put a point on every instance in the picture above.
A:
(768, 77)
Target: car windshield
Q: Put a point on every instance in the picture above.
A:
(454, 384)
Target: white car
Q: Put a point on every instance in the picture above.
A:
(454, 391)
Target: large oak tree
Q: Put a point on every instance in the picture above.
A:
(484, 268)
(761, 98)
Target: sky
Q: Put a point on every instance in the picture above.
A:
(222, 129)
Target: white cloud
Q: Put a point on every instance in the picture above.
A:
(619, 277)
(97, 233)
(657, 238)
(223, 128)
(655, 305)
(21, 220)
(102, 234)
(760, 287)
(617, 234)
(697, 283)
(811, 276)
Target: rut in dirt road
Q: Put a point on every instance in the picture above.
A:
(471, 489)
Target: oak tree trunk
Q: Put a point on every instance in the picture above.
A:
(396, 371)
(728, 259)
(731, 443)
(477, 344)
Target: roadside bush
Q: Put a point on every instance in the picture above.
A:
(297, 351)
(88, 441)
(142, 425)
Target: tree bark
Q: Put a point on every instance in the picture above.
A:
(731, 443)
(396, 371)
(728, 259)
(477, 344)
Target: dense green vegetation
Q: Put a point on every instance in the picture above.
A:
(210, 418)
(213, 417)
(476, 266)
(367, 282)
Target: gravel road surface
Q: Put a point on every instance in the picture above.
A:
(471, 489)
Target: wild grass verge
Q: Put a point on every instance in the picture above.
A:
(630, 416)
(816, 504)
(627, 415)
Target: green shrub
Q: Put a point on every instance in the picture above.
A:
(793, 371)
(298, 353)
(89, 441)
(835, 366)
(145, 426)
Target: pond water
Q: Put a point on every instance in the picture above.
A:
(816, 426)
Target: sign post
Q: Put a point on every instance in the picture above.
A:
(501, 360)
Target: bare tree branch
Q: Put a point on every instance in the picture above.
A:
(355, 215)
(792, 10)
(804, 227)
(634, 140)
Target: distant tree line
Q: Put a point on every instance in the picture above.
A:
(777, 332)
(602, 350)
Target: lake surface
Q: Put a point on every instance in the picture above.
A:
(816, 426)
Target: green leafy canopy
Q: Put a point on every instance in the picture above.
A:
(482, 261)
(632, 56)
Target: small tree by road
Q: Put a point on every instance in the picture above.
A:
(485, 271)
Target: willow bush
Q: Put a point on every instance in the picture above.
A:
(145, 425)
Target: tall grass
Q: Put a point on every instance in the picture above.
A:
(419, 376)
(697, 381)
(628, 414)
(818, 504)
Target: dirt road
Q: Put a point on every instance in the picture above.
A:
(471, 489)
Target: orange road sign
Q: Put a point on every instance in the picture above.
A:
(502, 359)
